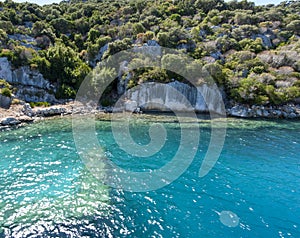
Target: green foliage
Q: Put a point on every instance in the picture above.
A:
(255, 46)
(7, 53)
(39, 104)
(175, 17)
(4, 84)
(5, 88)
(7, 26)
(19, 56)
(294, 26)
(250, 91)
(65, 92)
(154, 75)
(215, 71)
(226, 43)
(117, 46)
(3, 37)
(6, 92)
(101, 78)
(228, 34)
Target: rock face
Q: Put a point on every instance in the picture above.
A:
(5, 69)
(31, 85)
(174, 96)
(25, 76)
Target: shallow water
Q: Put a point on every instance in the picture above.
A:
(252, 191)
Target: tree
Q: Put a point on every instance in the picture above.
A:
(65, 68)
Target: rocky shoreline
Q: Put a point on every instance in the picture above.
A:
(289, 111)
(18, 115)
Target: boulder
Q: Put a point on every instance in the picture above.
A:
(27, 110)
(5, 101)
(9, 121)
(240, 111)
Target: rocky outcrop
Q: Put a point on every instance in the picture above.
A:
(27, 77)
(174, 96)
(24, 40)
(31, 85)
(290, 111)
(51, 111)
(151, 48)
(5, 69)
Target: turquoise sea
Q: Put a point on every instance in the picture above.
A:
(252, 191)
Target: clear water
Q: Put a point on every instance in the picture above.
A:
(45, 189)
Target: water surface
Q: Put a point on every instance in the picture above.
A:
(45, 188)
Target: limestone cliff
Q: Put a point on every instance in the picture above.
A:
(29, 85)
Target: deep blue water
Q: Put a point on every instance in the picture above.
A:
(252, 191)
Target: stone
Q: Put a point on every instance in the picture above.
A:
(284, 115)
(25, 119)
(278, 113)
(259, 113)
(51, 111)
(292, 115)
(239, 111)
(5, 101)
(9, 121)
(27, 110)
(265, 113)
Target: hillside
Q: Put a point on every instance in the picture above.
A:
(252, 52)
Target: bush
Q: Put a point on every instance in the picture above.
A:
(65, 92)
(6, 92)
(39, 104)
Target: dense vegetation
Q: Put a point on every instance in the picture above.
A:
(251, 51)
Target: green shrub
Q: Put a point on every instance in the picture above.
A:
(4, 84)
(6, 92)
(39, 104)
